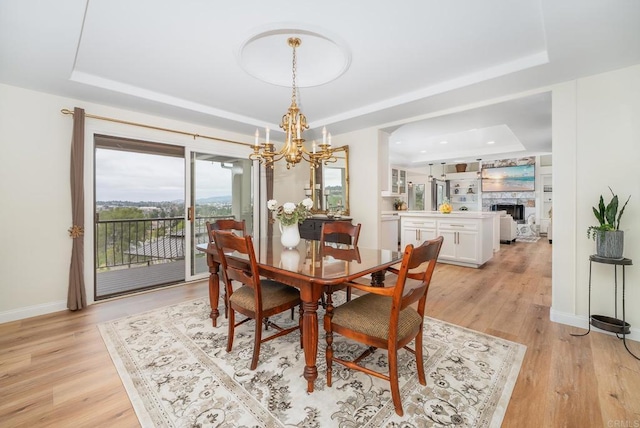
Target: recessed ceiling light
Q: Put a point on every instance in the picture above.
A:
(398, 142)
(444, 142)
(491, 142)
(423, 151)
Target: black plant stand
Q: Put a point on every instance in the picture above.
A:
(603, 322)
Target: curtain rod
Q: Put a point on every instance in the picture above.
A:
(67, 111)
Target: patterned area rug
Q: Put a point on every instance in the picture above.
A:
(176, 370)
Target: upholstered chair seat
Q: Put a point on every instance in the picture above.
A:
(370, 314)
(274, 294)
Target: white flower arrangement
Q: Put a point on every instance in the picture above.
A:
(290, 213)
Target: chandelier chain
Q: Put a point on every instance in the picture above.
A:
(294, 67)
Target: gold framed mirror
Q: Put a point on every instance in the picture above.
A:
(329, 184)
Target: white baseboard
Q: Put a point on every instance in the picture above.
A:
(582, 321)
(32, 311)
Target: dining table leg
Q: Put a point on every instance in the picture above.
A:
(214, 289)
(310, 341)
(377, 278)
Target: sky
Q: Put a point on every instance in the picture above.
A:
(127, 176)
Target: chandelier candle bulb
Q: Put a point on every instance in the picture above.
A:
(324, 135)
(329, 139)
(257, 136)
(266, 131)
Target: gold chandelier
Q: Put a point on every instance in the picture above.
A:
(294, 123)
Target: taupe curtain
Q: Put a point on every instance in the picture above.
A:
(76, 298)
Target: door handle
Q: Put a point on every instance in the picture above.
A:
(190, 214)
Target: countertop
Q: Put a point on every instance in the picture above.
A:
(457, 214)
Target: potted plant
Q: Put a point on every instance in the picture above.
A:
(290, 215)
(608, 236)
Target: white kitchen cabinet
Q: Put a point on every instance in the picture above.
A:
(398, 181)
(417, 231)
(468, 236)
(389, 231)
(461, 243)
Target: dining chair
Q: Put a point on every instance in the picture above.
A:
(385, 317)
(239, 226)
(332, 231)
(348, 254)
(226, 224)
(338, 231)
(256, 298)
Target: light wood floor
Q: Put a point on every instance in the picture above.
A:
(56, 371)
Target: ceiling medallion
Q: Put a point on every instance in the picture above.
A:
(323, 59)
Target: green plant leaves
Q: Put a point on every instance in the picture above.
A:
(611, 211)
(606, 215)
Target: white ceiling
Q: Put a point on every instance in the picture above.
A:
(385, 63)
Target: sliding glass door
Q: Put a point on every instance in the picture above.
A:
(221, 187)
(152, 202)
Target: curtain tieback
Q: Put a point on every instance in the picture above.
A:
(76, 231)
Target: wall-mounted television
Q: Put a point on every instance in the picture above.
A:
(518, 178)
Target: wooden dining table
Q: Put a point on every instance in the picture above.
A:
(310, 270)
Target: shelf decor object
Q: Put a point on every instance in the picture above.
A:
(461, 167)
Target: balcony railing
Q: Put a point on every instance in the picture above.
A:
(144, 241)
(139, 254)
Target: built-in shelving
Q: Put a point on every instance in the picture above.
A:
(547, 202)
(465, 192)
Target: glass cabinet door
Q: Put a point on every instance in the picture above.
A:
(394, 180)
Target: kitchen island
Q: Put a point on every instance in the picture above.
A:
(469, 237)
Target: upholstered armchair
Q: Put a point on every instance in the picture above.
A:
(508, 228)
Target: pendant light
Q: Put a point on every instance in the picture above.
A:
(443, 176)
(430, 178)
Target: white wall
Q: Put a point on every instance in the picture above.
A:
(597, 135)
(35, 191)
(364, 186)
(35, 197)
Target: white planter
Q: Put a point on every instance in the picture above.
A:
(290, 237)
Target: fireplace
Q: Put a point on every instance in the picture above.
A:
(515, 210)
